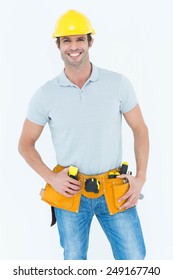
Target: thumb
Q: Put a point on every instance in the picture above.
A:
(122, 176)
(65, 170)
(125, 177)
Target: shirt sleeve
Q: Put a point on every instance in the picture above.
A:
(37, 112)
(128, 98)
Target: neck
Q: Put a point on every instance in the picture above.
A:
(78, 75)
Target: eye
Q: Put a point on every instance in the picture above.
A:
(81, 39)
(66, 40)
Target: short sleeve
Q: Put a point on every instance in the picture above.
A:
(128, 98)
(37, 112)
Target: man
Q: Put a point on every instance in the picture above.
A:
(83, 107)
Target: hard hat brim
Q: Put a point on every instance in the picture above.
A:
(63, 34)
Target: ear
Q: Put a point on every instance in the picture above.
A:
(57, 42)
(57, 45)
(91, 43)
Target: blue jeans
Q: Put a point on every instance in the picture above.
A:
(123, 230)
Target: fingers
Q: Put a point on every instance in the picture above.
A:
(73, 188)
(65, 189)
(125, 196)
(130, 198)
(126, 177)
(128, 204)
(69, 193)
(66, 185)
(69, 179)
(74, 182)
(132, 195)
(130, 201)
(68, 190)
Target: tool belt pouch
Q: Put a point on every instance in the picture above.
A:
(55, 199)
(114, 189)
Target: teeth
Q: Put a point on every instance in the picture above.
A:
(74, 54)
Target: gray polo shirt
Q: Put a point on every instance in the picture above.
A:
(85, 123)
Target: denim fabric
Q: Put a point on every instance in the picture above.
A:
(123, 230)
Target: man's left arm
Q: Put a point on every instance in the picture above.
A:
(136, 122)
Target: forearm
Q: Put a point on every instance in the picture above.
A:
(33, 158)
(61, 182)
(141, 149)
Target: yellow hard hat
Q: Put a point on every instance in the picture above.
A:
(72, 23)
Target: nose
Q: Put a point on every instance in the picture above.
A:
(73, 46)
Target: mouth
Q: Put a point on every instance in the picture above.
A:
(74, 55)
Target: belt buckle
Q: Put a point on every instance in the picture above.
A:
(92, 185)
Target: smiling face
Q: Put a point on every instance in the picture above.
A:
(74, 49)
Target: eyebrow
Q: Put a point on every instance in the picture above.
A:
(65, 37)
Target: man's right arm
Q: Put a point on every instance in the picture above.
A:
(61, 182)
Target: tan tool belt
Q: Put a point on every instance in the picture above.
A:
(112, 189)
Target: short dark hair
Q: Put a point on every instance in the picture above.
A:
(89, 38)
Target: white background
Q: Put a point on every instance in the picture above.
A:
(132, 37)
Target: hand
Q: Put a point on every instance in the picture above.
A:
(133, 194)
(64, 184)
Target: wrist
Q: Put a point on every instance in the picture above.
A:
(50, 177)
(141, 176)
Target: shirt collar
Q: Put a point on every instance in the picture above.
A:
(64, 81)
